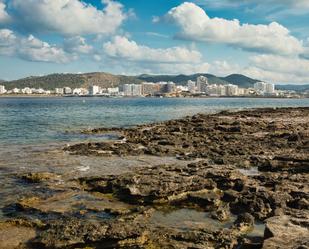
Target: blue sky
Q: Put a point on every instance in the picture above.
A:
(267, 41)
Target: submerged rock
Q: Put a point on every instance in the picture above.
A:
(39, 177)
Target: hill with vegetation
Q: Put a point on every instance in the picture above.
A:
(240, 80)
(52, 81)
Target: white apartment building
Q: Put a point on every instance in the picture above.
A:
(132, 89)
(201, 84)
(191, 86)
(270, 88)
(2, 89)
(241, 91)
(93, 90)
(231, 90)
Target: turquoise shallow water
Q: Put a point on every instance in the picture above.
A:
(48, 120)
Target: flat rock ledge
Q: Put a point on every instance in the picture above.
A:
(243, 182)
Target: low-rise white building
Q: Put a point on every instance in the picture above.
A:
(16, 90)
(67, 90)
(59, 90)
(26, 90)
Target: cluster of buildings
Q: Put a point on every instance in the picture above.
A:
(26, 90)
(200, 87)
(92, 90)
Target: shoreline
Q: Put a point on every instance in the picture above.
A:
(240, 180)
(152, 97)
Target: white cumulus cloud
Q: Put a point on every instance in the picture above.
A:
(68, 17)
(30, 48)
(196, 25)
(293, 66)
(122, 47)
(129, 57)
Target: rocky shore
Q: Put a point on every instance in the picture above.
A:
(241, 180)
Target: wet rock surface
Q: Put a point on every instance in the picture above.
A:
(242, 181)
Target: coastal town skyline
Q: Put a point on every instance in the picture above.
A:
(200, 87)
(266, 41)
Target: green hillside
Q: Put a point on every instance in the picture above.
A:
(240, 80)
(52, 81)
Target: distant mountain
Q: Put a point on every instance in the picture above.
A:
(181, 79)
(52, 81)
(297, 88)
(240, 80)
(237, 79)
(2, 80)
